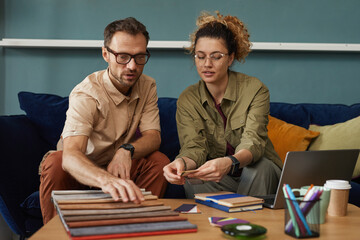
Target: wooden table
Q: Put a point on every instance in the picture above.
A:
(347, 227)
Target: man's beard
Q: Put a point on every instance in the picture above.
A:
(121, 80)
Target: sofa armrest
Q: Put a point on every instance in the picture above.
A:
(21, 149)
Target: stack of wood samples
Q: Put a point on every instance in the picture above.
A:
(92, 214)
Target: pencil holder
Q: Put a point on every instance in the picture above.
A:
(302, 218)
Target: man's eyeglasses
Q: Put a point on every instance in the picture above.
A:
(214, 57)
(125, 58)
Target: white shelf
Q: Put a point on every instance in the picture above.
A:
(306, 46)
(264, 46)
(65, 43)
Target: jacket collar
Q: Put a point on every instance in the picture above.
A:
(230, 92)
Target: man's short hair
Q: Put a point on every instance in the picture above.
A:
(129, 25)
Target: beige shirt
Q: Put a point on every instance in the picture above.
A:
(246, 104)
(109, 118)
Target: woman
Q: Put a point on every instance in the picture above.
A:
(222, 119)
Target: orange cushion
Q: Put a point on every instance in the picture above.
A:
(288, 137)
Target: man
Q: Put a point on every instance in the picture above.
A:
(105, 110)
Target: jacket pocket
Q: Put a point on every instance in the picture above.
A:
(237, 125)
(206, 131)
(238, 122)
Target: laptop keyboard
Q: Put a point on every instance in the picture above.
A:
(269, 201)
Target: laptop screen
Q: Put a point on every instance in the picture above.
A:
(313, 167)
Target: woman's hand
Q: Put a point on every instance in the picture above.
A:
(173, 170)
(213, 170)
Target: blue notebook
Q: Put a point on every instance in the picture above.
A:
(231, 209)
(229, 199)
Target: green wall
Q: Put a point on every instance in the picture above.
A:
(2, 63)
(294, 77)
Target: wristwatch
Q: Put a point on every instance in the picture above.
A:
(128, 147)
(235, 171)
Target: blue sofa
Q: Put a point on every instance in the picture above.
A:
(24, 139)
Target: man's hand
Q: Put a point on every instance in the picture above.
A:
(120, 165)
(86, 172)
(213, 170)
(121, 188)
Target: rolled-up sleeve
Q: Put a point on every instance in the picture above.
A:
(80, 116)
(150, 119)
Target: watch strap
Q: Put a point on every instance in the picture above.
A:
(234, 170)
(233, 159)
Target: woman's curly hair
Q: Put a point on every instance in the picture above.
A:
(229, 28)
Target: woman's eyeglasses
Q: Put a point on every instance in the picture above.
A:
(214, 57)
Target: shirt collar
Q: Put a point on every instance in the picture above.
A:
(116, 96)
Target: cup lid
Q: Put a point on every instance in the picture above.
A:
(337, 184)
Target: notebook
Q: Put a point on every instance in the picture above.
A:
(312, 167)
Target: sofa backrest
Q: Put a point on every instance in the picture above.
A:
(169, 136)
(304, 114)
(48, 113)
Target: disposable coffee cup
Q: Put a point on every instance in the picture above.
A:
(339, 196)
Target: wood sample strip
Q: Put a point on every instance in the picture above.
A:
(99, 200)
(110, 205)
(113, 211)
(120, 216)
(131, 228)
(124, 221)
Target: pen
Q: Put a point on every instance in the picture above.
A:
(297, 208)
(311, 186)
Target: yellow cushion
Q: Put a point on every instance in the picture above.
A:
(344, 135)
(288, 137)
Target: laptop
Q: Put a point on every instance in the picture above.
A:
(312, 167)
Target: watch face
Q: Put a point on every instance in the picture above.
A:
(128, 147)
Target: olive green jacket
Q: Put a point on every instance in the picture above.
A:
(246, 104)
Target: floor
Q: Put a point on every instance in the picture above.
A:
(5, 232)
